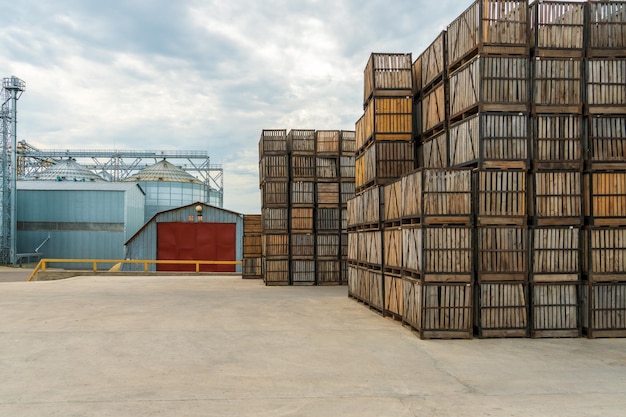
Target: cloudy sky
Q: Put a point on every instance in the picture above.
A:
(201, 74)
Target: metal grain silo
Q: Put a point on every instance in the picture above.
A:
(67, 170)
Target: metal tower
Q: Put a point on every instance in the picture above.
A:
(12, 89)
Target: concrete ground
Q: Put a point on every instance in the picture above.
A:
(222, 346)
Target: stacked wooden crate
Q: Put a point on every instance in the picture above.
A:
(347, 191)
(274, 182)
(604, 285)
(252, 246)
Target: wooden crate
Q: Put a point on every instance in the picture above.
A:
(491, 27)
(273, 142)
(344, 219)
(347, 190)
(607, 141)
(605, 198)
(347, 168)
(433, 153)
(557, 198)
(370, 250)
(353, 247)
(328, 271)
(557, 141)
(386, 119)
(606, 86)
(274, 168)
(276, 245)
(302, 193)
(327, 168)
(384, 162)
(416, 70)
(302, 271)
(438, 253)
(302, 246)
(387, 75)
(364, 209)
(276, 271)
(490, 140)
(433, 111)
(303, 167)
(502, 309)
(343, 238)
(607, 28)
(502, 253)
(501, 197)
(327, 194)
(251, 268)
(327, 142)
(392, 201)
(252, 224)
(328, 245)
(301, 142)
(392, 248)
(557, 28)
(555, 310)
(348, 142)
(301, 220)
(356, 283)
(393, 304)
(433, 62)
(557, 85)
(556, 254)
(604, 250)
(490, 83)
(604, 309)
(252, 245)
(275, 194)
(438, 311)
(275, 220)
(327, 220)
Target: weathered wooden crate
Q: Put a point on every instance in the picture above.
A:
(348, 142)
(343, 238)
(416, 70)
(557, 198)
(607, 28)
(276, 271)
(276, 245)
(556, 254)
(393, 305)
(432, 111)
(606, 86)
(301, 219)
(490, 83)
(438, 253)
(302, 271)
(327, 142)
(557, 85)
(386, 119)
(328, 271)
(438, 311)
(604, 250)
(275, 220)
(433, 62)
(387, 75)
(252, 224)
(370, 249)
(327, 168)
(502, 309)
(555, 310)
(489, 27)
(343, 264)
(347, 191)
(328, 220)
(251, 268)
(557, 141)
(275, 194)
(347, 168)
(490, 140)
(366, 285)
(328, 245)
(356, 283)
(392, 248)
(353, 247)
(364, 209)
(605, 198)
(502, 253)
(327, 194)
(557, 28)
(502, 197)
(273, 142)
(607, 141)
(437, 196)
(433, 153)
(302, 193)
(344, 219)
(302, 167)
(252, 245)
(302, 246)
(392, 202)
(301, 142)
(383, 162)
(274, 168)
(604, 309)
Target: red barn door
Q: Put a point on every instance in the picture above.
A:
(196, 241)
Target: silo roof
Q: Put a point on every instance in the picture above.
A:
(67, 170)
(163, 171)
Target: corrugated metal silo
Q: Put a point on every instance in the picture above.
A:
(67, 170)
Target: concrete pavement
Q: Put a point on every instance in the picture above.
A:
(222, 346)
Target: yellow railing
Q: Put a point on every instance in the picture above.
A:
(43, 264)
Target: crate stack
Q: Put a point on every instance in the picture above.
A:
(557, 143)
(604, 285)
(347, 191)
(252, 247)
(274, 183)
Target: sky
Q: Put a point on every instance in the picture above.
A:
(201, 74)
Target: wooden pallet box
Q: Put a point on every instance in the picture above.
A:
(354, 208)
(252, 245)
(607, 29)
(327, 168)
(557, 198)
(438, 311)
(433, 111)
(275, 271)
(371, 214)
(502, 253)
(347, 168)
(301, 220)
(386, 119)
(605, 198)
(348, 142)
(557, 85)
(555, 310)
(328, 220)
(252, 224)
(392, 248)
(433, 62)
(491, 27)
(302, 193)
(347, 191)
(328, 271)
(275, 194)
(275, 220)
(556, 254)
(490, 83)
(502, 309)
(433, 152)
(502, 197)
(327, 142)
(274, 168)
(302, 271)
(357, 283)
(276, 245)
(301, 142)
(607, 141)
(606, 86)
(557, 141)
(353, 247)
(387, 75)
(416, 71)
(604, 250)
(604, 309)
(328, 245)
(392, 202)
(393, 292)
(273, 142)
(370, 249)
(251, 268)
(557, 28)
(302, 245)
(303, 167)
(327, 194)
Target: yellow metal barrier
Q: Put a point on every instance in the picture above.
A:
(43, 264)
